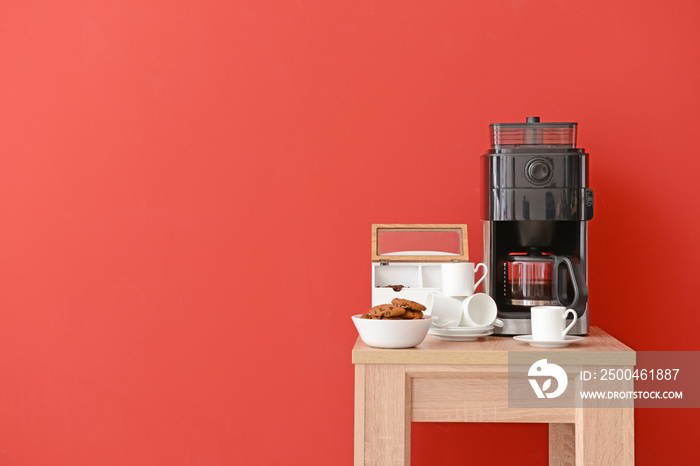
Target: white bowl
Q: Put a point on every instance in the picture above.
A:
(389, 333)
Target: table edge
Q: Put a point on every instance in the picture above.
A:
(616, 353)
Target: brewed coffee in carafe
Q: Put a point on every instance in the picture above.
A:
(529, 283)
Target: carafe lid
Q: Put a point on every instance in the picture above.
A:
(532, 255)
(533, 134)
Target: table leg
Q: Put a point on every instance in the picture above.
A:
(561, 444)
(382, 415)
(604, 436)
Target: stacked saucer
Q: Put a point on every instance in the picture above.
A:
(461, 333)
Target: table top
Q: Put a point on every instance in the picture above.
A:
(598, 347)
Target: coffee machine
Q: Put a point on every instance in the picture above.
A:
(535, 210)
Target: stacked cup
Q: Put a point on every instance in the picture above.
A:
(458, 313)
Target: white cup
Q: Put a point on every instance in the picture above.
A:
(446, 311)
(458, 278)
(479, 310)
(548, 322)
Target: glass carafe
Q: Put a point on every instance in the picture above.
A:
(533, 279)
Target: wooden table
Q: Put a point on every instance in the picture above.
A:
(440, 381)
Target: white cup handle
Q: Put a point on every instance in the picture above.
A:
(566, 330)
(486, 271)
(435, 324)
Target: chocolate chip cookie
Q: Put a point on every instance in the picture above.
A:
(408, 304)
(384, 311)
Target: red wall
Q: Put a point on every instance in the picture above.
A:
(187, 189)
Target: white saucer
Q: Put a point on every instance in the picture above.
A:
(460, 330)
(472, 337)
(548, 344)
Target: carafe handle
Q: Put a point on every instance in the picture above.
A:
(558, 260)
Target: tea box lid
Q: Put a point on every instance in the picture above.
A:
(419, 243)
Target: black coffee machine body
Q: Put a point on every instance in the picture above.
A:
(536, 205)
